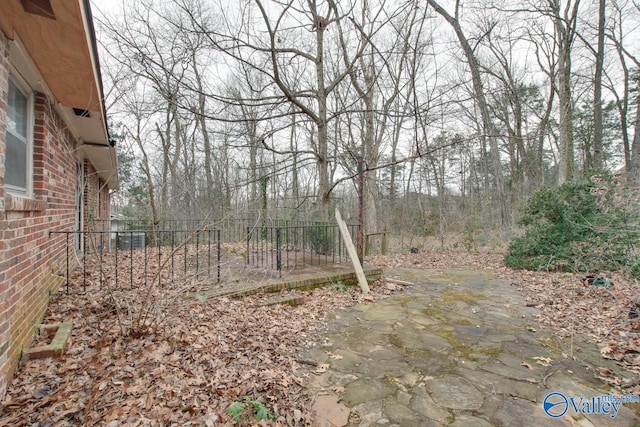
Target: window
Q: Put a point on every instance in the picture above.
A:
(18, 156)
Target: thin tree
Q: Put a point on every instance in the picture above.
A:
(488, 129)
(597, 89)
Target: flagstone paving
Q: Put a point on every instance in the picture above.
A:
(458, 348)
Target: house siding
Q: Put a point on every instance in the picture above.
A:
(30, 257)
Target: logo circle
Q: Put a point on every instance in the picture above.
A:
(555, 404)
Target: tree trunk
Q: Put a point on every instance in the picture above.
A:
(147, 173)
(565, 126)
(634, 172)
(322, 160)
(293, 144)
(370, 157)
(489, 133)
(564, 27)
(598, 161)
(202, 121)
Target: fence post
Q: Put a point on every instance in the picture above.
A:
(278, 253)
(197, 253)
(208, 253)
(383, 249)
(68, 263)
(116, 261)
(366, 244)
(360, 209)
(84, 262)
(219, 254)
(248, 243)
(131, 258)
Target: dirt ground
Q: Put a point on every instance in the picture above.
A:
(150, 356)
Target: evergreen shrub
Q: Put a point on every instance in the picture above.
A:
(577, 227)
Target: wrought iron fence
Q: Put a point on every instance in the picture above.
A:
(233, 229)
(291, 247)
(139, 257)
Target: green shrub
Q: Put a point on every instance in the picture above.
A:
(576, 227)
(320, 238)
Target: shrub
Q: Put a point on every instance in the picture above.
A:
(320, 238)
(576, 227)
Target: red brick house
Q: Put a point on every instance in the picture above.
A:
(57, 165)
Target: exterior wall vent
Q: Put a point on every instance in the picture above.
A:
(38, 7)
(81, 112)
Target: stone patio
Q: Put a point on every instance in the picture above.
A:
(459, 348)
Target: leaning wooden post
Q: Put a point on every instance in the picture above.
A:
(353, 253)
(360, 237)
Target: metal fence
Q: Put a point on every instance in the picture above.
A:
(291, 247)
(233, 229)
(139, 257)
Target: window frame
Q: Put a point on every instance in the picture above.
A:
(25, 89)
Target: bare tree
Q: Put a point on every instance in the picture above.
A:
(565, 20)
(597, 89)
(488, 130)
(289, 93)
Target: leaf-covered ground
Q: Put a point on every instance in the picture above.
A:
(177, 361)
(182, 361)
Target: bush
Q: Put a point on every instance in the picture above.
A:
(576, 227)
(320, 238)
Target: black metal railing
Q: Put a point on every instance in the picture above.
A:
(139, 257)
(291, 247)
(233, 229)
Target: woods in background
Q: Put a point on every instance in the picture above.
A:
(460, 111)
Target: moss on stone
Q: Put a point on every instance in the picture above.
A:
(465, 350)
(451, 297)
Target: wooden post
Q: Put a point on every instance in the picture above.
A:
(359, 239)
(383, 249)
(353, 253)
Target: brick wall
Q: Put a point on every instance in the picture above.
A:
(96, 201)
(4, 247)
(29, 257)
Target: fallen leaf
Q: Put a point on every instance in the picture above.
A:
(544, 361)
(189, 361)
(321, 368)
(604, 372)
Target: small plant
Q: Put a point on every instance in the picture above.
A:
(237, 410)
(340, 286)
(247, 409)
(469, 241)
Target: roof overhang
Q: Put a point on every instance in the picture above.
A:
(58, 38)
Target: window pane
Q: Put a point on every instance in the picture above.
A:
(15, 162)
(17, 114)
